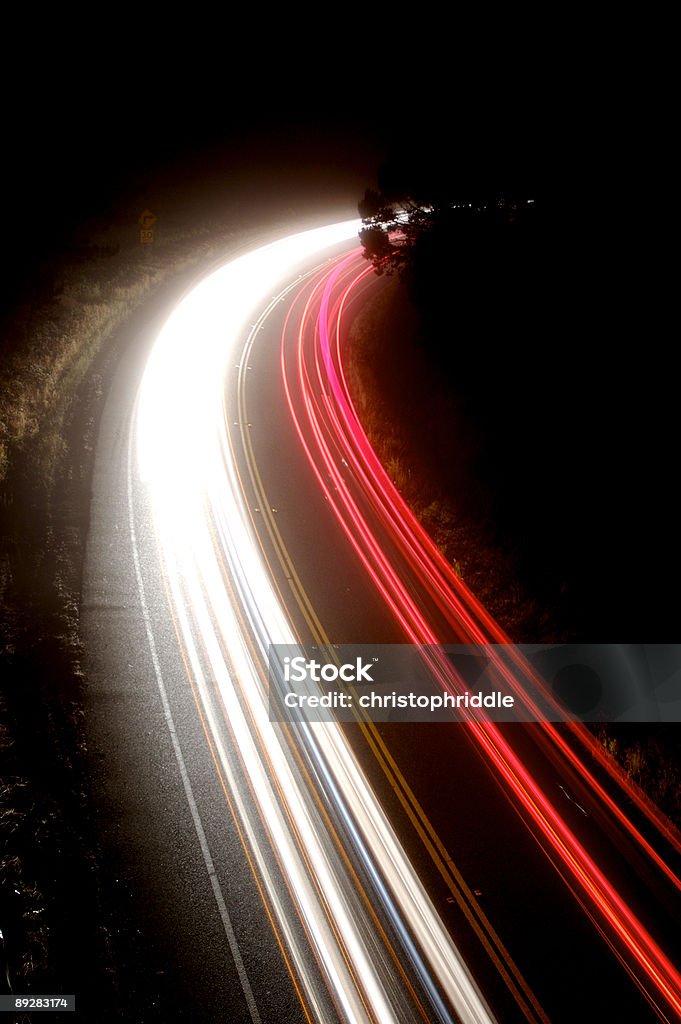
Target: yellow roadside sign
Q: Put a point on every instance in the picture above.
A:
(147, 219)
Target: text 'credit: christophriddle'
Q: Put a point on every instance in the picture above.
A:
(475, 683)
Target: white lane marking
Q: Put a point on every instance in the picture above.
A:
(189, 793)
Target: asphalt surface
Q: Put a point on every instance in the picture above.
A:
(541, 927)
(196, 939)
(171, 944)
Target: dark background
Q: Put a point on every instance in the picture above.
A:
(197, 119)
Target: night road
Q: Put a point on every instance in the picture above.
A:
(363, 873)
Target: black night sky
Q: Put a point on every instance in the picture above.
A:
(97, 119)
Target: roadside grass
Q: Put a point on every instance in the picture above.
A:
(59, 343)
(50, 347)
(650, 757)
(420, 434)
(421, 437)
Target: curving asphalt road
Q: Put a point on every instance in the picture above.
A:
(364, 873)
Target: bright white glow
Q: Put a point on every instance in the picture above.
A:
(227, 612)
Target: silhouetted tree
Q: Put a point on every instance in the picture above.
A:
(427, 199)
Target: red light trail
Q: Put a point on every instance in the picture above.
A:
(334, 441)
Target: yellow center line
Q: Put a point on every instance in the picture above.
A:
(443, 861)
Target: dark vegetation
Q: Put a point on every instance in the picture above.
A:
(417, 426)
(61, 931)
(523, 303)
(537, 395)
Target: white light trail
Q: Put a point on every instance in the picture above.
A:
(228, 613)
